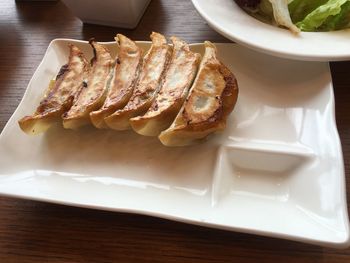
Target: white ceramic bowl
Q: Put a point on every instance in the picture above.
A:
(226, 17)
(118, 13)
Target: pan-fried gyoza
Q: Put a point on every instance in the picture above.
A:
(177, 81)
(60, 94)
(125, 77)
(93, 93)
(170, 92)
(153, 69)
(211, 98)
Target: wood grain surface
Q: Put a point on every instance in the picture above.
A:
(39, 232)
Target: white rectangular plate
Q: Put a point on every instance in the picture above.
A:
(277, 170)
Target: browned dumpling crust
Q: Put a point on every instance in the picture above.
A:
(60, 94)
(177, 81)
(153, 69)
(93, 93)
(211, 99)
(125, 77)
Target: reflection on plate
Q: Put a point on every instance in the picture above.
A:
(277, 170)
(226, 17)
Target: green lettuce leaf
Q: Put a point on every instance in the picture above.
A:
(299, 9)
(318, 16)
(339, 21)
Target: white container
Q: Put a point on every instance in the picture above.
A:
(117, 13)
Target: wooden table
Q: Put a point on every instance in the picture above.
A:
(39, 232)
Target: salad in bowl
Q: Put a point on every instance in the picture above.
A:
(301, 15)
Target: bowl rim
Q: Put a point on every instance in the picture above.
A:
(277, 31)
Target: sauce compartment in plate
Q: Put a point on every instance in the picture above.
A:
(264, 184)
(257, 170)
